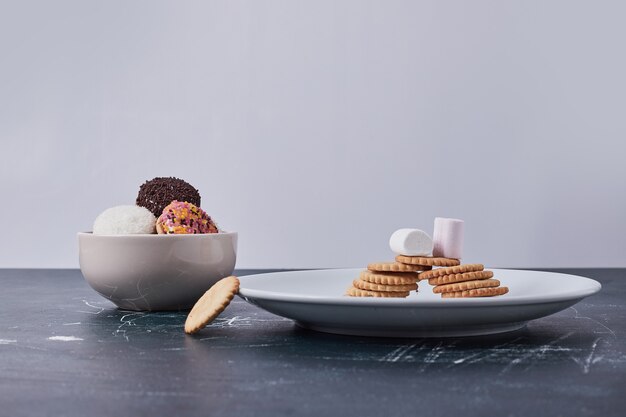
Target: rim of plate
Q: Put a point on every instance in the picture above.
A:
(590, 287)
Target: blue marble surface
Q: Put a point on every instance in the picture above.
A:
(64, 350)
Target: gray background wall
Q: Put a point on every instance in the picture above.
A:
(315, 129)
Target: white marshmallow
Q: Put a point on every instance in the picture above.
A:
(448, 238)
(411, 242)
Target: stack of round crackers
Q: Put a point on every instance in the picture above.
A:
(449, 278)
(462, 281)
(387, 279)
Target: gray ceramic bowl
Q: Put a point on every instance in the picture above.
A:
(155, 272)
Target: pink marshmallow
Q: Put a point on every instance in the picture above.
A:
(448, 238)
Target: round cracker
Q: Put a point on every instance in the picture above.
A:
(370, 286)
(466, 285)
(459, 269)
(211, 304)
(356, 292)
(387, 278)
(479, 292)
(467, 276)
(427, 260)
(396, 267)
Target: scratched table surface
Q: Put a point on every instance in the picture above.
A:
(65, 351)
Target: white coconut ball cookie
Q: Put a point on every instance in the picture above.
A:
(124, 220)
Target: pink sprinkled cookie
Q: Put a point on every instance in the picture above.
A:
(181, 217)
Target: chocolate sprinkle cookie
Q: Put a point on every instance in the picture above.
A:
(161, 191)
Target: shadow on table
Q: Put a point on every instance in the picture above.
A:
(562, 340)
(526, 348)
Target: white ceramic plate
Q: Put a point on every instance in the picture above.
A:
(315, 300)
